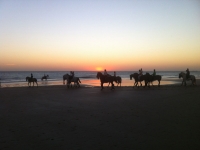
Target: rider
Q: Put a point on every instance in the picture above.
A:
(31, 76)
(105, 72)
(71, 75)
(140, 73)
(154, 72)
(114, 74)
(187, 73)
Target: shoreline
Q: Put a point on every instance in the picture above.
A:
(94, 83)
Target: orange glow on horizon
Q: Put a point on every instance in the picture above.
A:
(99, 68)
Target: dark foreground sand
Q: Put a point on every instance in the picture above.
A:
(54, 117)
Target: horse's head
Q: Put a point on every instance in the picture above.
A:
(99, 74)
(65, 77)
(181, 74)
(27, 78)
(131, 76)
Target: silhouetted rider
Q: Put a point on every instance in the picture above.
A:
(187, 74)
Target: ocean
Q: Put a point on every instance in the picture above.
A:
(88, 78)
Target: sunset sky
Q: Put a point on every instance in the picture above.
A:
(44, 35)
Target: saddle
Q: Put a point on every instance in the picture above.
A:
(188, 77)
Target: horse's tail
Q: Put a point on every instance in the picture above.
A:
(36, 81)
(79, 80)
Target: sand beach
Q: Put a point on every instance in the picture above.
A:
(55, 117)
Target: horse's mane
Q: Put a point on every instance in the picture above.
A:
(182, 72)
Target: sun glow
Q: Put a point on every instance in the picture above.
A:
(99, 68)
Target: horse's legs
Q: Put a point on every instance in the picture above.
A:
(108, 84)
(112, 85)
(101, 85)
(77, 84)
(136, 83)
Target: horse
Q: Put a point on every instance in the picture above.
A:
(154, 78)
(76, 80)
(191, 77)
(118, 81)
(29, 79)
(45, 77)
(106, 79)
(142, 78)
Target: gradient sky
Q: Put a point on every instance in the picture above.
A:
(43, 35)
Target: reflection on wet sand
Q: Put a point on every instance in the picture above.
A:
(90, 83)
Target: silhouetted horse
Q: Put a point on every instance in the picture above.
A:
(44, 77)
(118, 81)
(106, 79)
(144, 78)
(154, 78)
(191, 77)
(29, 79)
(76, 80)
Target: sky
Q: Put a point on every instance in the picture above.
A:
(87, 35)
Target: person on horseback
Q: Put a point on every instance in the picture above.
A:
(140, 73)
(105, 72)
(31, 76)
(154, 73)
(71, 75)
(106, 75)
(187, 74)
(114, 74)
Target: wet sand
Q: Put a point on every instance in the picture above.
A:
(89, 83)
(55, 117)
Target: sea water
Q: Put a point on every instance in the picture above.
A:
(88, 78)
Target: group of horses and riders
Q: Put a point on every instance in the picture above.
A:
(147, 78)
(107, 78)
(187, 77)
(71, 78)
(34, 80)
